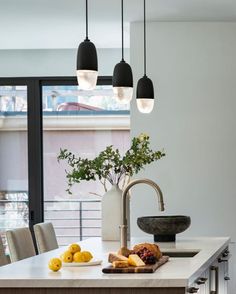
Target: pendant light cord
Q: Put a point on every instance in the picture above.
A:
(87, 39)
(122, 29)
(144, 35)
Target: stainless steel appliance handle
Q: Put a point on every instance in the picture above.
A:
(216, 270)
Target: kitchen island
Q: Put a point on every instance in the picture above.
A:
(196, 263)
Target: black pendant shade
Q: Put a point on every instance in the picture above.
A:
(145, 88)
(122, 75)
(87, 56)
(87, 61)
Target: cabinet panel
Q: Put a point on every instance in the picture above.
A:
(207, 274)
(215, 279)
(219, 274)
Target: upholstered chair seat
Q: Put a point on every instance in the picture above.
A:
(3, 258)
(20, 244)
(45, 237)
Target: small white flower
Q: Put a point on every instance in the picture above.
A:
(143, 136)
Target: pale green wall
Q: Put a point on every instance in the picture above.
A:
(52, 62)
(193, 68)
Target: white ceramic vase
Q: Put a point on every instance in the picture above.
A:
(112, 214)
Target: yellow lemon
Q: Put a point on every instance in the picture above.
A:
(67, 256)
(87, 256)
(78, 257)
(73, 248)
(54, 264)
(83, 256)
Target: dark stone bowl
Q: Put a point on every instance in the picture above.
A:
(164, 228)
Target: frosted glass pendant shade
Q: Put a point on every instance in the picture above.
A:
(87, 79)
(123, 94)
(145, 105)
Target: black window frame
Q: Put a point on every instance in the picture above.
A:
(35, 134)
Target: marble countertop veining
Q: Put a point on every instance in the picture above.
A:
(178, 272)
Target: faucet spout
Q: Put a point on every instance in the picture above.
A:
(124, 225)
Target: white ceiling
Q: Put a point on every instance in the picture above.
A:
(31, 24)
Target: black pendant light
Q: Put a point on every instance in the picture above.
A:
(87, 63)
(145, 91)
(122, 80)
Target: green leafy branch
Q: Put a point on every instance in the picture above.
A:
(109, 165)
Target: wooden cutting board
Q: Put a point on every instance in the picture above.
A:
(134, 269)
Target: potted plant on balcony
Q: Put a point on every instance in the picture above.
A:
(111, 167)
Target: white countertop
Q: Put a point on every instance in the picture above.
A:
(178, 272)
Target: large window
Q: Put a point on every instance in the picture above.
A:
(13, 158)
(59, 115)
(84, 122)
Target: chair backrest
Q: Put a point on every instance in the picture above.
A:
(20, 244)
(45, 237)
(3, 258)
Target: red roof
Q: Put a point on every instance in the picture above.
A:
(76, 106)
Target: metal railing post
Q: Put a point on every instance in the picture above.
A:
(80, 221)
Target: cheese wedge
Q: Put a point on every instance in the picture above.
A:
(120, 264)
(116, 257)
(135, 260)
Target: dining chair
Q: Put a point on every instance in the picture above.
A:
(3, 258)
(45, 237)
(20, 244)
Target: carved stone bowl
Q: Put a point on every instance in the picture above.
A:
(164, 228)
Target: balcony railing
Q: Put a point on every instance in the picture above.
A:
(73, 220)
(69, 120)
